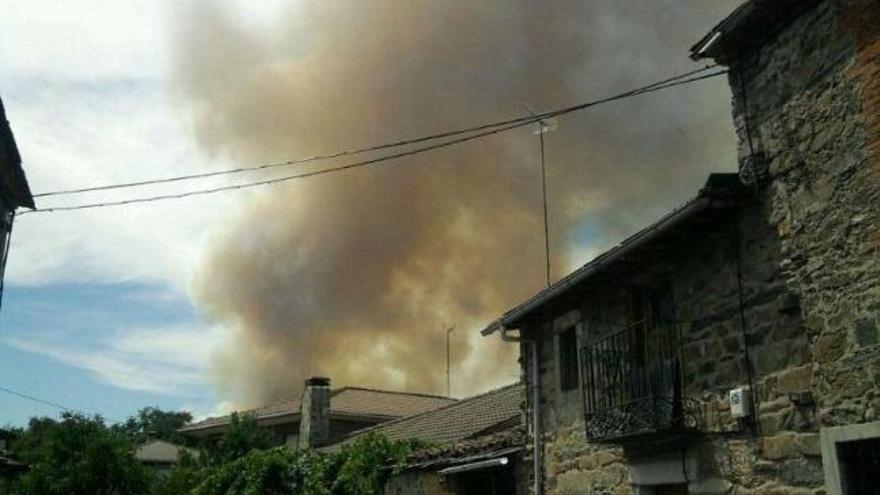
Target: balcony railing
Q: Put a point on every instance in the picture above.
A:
(632, 383)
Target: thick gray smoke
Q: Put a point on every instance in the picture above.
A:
(354, 275)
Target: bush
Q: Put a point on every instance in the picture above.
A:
(359, 469)
(79, 455)
(364, 464)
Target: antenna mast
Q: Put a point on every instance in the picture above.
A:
(544, 125)
(449, 330)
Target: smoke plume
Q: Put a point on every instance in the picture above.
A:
(355, 275)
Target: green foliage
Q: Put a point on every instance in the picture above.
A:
(364, 463)
(276, 471)
(183, 479)
(154, 423)
(359, 469)
(78, 455)
(27, 443)
(242, 436)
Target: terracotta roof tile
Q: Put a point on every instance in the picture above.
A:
(464, 419)
(509, 440)
(363, 401)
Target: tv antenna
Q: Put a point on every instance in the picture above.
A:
(449, 331)
(544, 126)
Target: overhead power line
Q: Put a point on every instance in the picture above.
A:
(338, 154)
(48, 403)
(468, 134)
(35, 399)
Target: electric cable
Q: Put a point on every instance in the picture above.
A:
(49, 403)
(516, 123)
(337, 154)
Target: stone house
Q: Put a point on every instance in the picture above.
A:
(474, 447)
(732, 346)
(10, 468)
(14, 189)
(162, 456)
(322, 415)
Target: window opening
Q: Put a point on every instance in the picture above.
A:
(568, 365)
(859, 465)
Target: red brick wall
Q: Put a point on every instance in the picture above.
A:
(862, 21)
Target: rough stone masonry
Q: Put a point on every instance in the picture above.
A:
(807, 114)
(809, 103)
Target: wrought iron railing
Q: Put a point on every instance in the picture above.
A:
(632, 383)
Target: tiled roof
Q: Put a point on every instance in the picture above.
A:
(468, 418)
(160, 451)
(12, 178)
(348, 401)
(503, 442)
(8, 465)
(748, 27)
(368, 402)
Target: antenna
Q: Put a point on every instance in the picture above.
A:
(544, 126)
(449, 331)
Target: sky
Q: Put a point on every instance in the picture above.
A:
(97, 315)
(110, 310)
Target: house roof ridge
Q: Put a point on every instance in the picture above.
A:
(212, 421)
(253, 411)
(394, 392)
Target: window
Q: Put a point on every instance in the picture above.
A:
(651, 314)
(859, 465)
(851, 458)
(677, 489)
(568, 362)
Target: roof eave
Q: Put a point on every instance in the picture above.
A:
(21, 195)
(709, 197)
(708, 46)
(748, 26)
(291, 416)
(513, 317)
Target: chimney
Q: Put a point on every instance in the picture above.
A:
(314, 422)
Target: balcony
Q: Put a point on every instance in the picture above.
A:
(632, 384)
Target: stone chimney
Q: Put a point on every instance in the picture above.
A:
(314, 423)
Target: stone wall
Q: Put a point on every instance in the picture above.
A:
(811, 110)
(706, 294)
(418, 483)
(428, 481)
(807, 112)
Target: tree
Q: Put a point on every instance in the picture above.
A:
(363, 464)
(221, 462)
(270, 472)
(152, 422)
(358, 469)
(79, 455)
(188, 474)
(28, 441)
(242, 436)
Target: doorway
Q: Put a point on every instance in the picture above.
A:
(859, 466)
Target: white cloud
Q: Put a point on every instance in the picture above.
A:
(66, 143)
(199, 413)
(86, 39)
(167, 360)
(87, 90)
